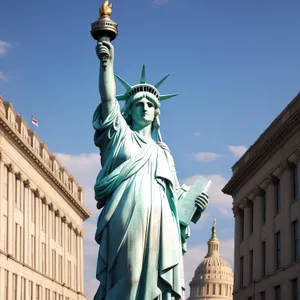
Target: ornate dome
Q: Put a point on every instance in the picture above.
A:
(213, 277)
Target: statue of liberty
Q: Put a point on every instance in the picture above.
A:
(140, 235)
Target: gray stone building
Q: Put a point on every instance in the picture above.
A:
(266, 204)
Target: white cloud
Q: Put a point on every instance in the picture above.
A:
(196, 254)
(4, 47)
(90, 259)
(238, 151)
(205, 156)
(3, 77)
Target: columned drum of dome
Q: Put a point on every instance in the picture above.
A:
(213, 278)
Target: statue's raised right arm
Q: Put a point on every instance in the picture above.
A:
(107, 84)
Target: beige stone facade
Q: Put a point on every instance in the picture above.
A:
(213, 279)
(265, 187)
(41, 218)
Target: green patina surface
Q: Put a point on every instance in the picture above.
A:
(141, 240)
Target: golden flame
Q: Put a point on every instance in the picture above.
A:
(105, 10)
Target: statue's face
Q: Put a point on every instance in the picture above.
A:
(142, 113)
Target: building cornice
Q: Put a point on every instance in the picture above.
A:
(280, 129)
(42, 167)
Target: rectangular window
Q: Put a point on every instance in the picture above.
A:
(214, 289)
(251, 266)
(47, 292)
(5, 233)
(5, 183)
(61, 232)
(262, 295)
(60, 268)
(6, 285)
(54, 264)
(32, 251)
(30, 290)
(23, 288)
(277, 206)
(17, 194)
(242, 225)
(277, 291)
(16, 240)
(44, 258)
(264, 208)
(242, 271)
(37, 292)
(54, 296)
(296, 245)
(33, 207)
(43, 217)
(22, 197)
(69, 239)
(75, 276)
(295, 173)
(21, 245)
(69, 274)
(263, 250)
(14, 287)
(295, 289)
(278, 250)
(54, 227)
(251, 216)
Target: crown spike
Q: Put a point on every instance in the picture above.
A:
(143, 75)
(168, 96)
(120, 97)
(161, 81)
(124, 83)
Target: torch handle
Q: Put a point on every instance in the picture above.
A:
(104, 56)
(104, 38)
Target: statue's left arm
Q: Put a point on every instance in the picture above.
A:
(201, 201)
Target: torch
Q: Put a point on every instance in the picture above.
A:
(104, 29)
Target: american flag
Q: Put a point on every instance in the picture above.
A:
(34, 122)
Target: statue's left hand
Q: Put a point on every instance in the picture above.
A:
(202, 201)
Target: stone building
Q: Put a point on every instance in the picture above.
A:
(41, 218)
(266, 206)
(213, 279)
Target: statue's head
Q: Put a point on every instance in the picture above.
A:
(142, 107)
(142, 102)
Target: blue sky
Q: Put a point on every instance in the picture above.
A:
(234, 63)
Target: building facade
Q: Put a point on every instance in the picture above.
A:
(213, 279)
(266, 204)
(41, 218)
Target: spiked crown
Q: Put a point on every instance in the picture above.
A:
(143, 87)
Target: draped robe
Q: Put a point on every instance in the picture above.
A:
(140, 252)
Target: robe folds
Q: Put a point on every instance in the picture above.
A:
(138, 231)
